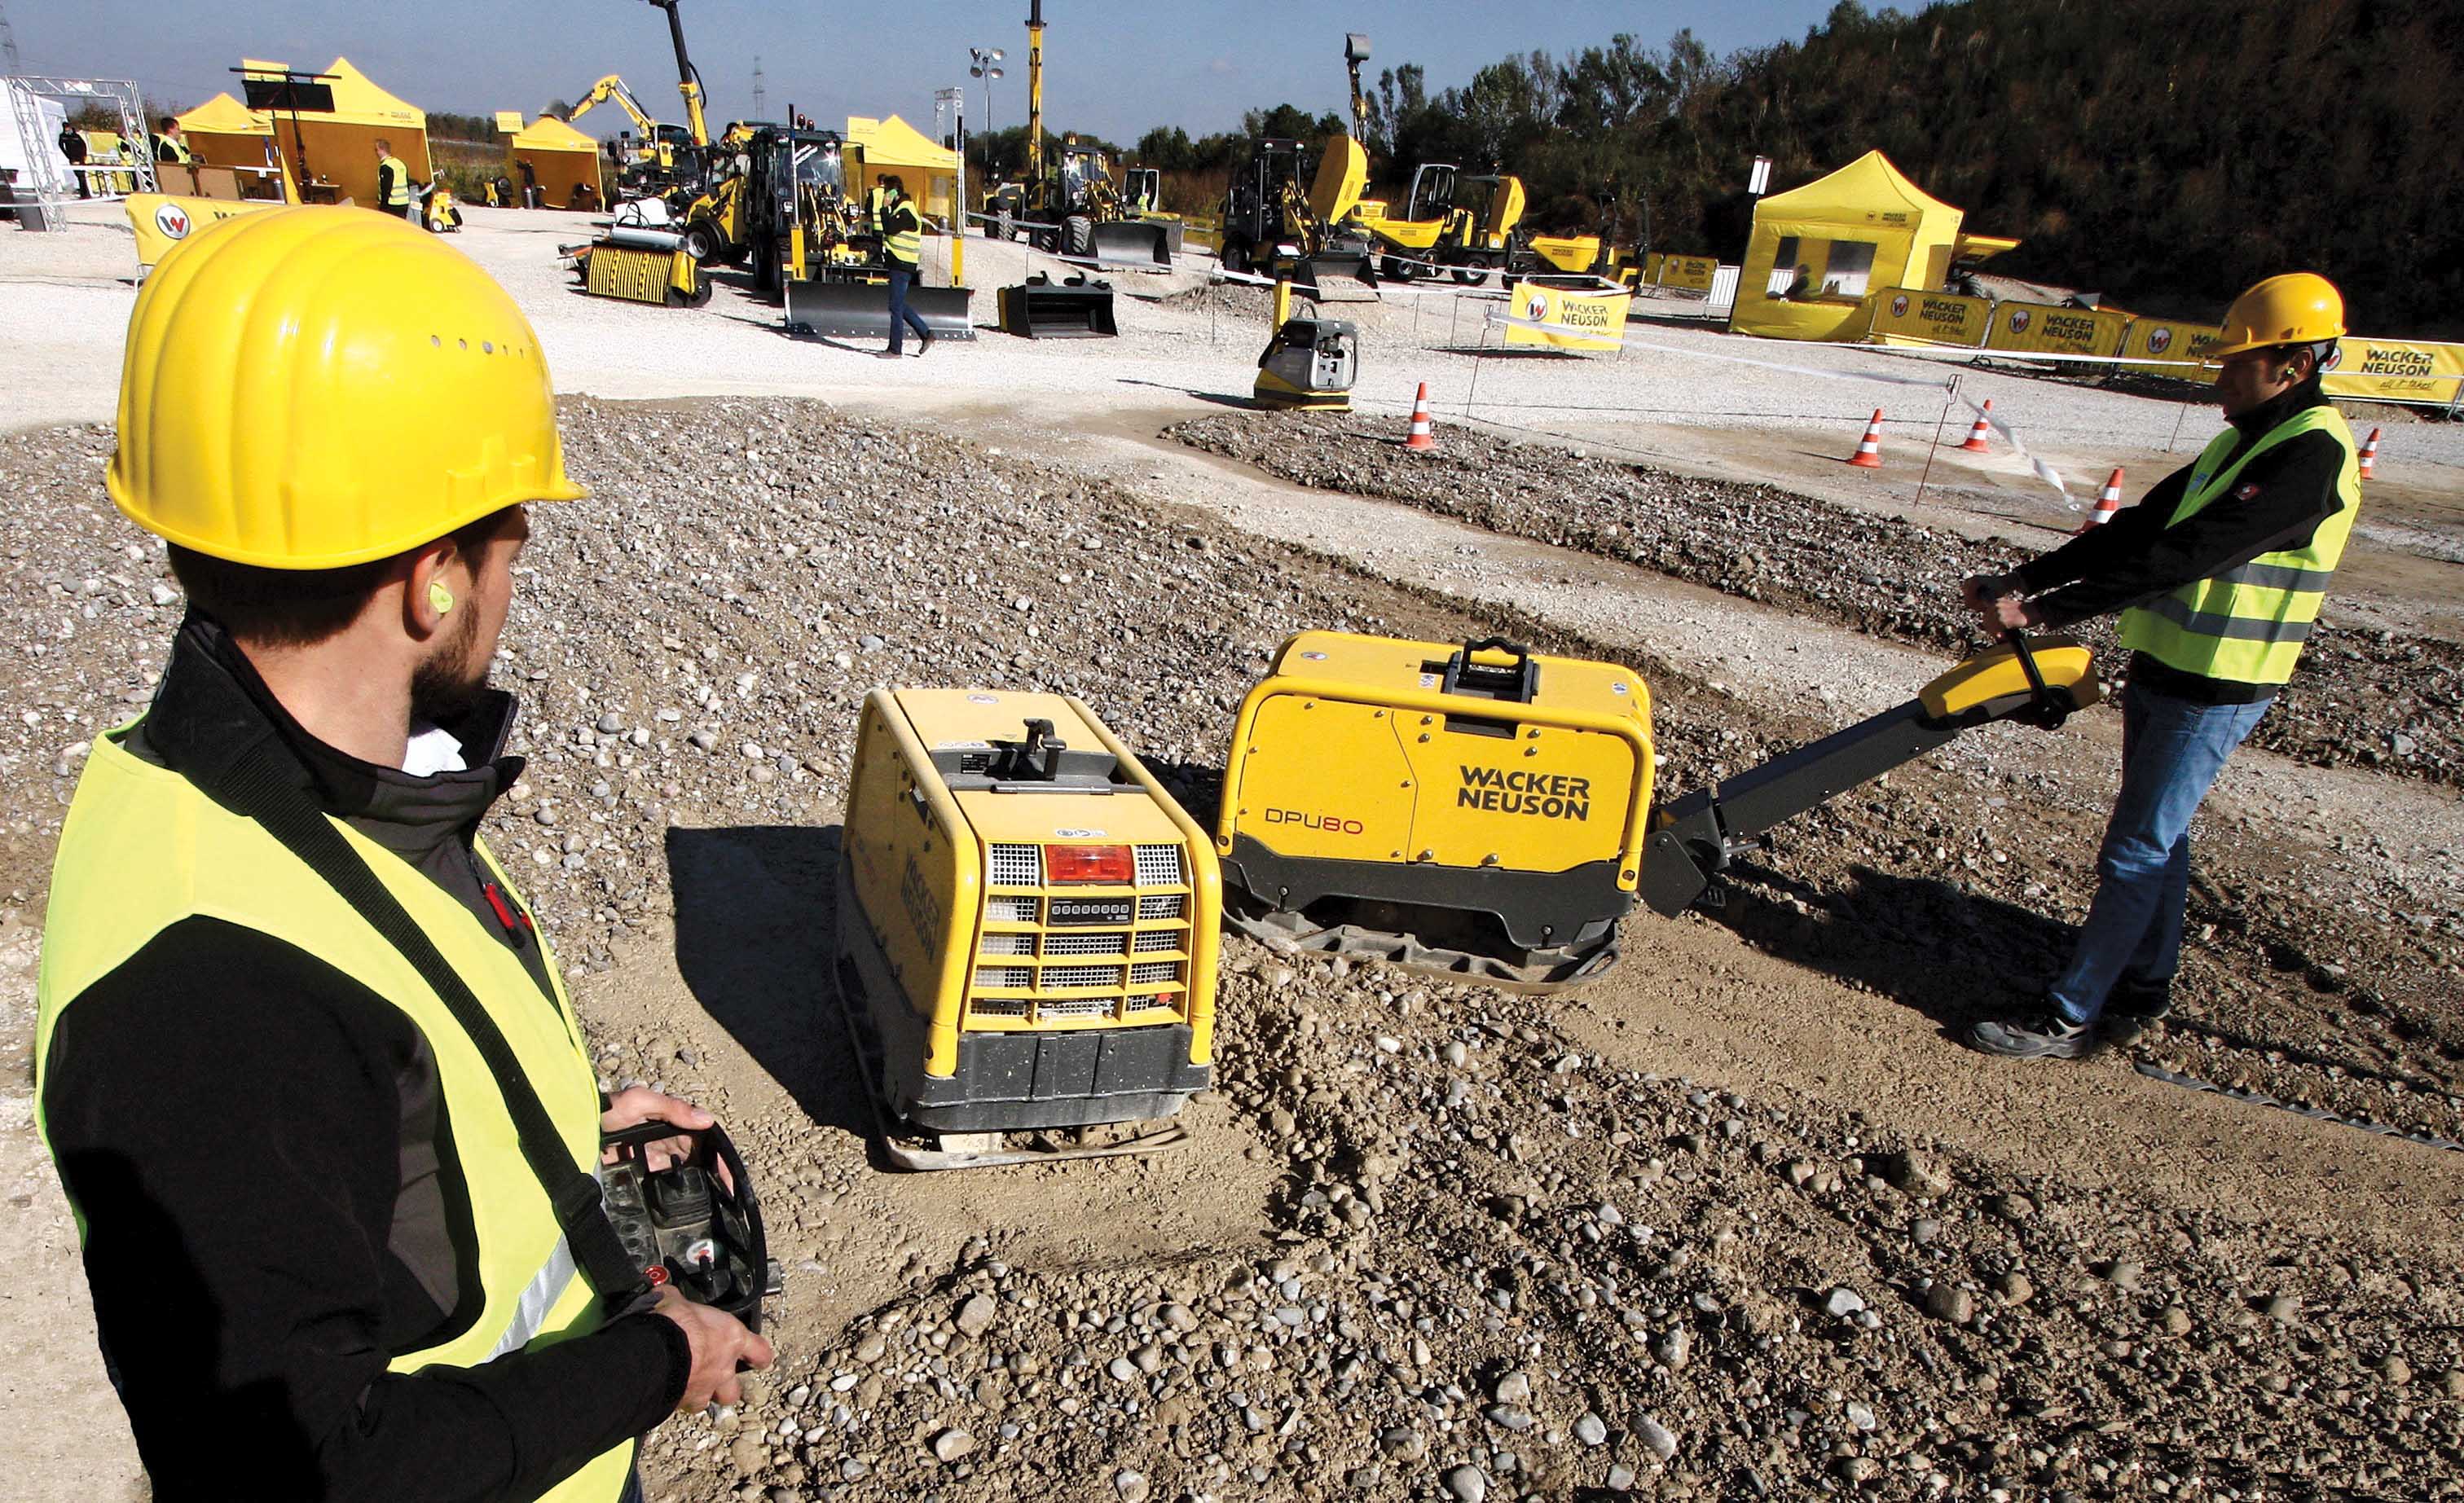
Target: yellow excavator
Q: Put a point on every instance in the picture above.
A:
(1077, 210)
(1451, 223)
(651, 152)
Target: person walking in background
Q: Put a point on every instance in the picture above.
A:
(902, 246)
(2218, 574)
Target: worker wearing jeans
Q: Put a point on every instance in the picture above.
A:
(2218, 575)
(902, 246)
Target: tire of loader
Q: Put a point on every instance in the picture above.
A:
(1004, 227)
(1470, 275)
(1078, 235)
(701, 241)
(1235, 255)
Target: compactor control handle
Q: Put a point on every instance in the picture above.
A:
(1518, 680)
(2049, 706)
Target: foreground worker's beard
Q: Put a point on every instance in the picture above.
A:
(447, 681)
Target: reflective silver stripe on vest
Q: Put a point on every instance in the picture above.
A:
(2277, 576)
(539, 1297)
(2216, 623)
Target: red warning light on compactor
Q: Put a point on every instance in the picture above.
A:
(1089, 863)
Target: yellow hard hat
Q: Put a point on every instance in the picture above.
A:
(2296, 308)
(311, 387)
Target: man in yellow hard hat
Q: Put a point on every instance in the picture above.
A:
(303, 1059)
(2218, 574)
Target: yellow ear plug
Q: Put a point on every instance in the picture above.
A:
(439, 597)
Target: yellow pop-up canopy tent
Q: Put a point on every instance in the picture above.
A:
(224, 133)
(894, 147)
(565, 162)
(1816, 250)
(341, 147)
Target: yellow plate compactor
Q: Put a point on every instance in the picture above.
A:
(1027, 925)
(1486, 811)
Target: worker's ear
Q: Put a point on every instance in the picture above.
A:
(430, 595)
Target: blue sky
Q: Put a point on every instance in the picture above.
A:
(1115, 68)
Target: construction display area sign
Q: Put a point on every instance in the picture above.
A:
(2171, 342)
(1565, 318)
(2389, 370)
(1691, 271)
(1905, 315)
(163, 221)
(2055, 329)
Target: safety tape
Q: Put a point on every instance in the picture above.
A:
(1499, 321)
(1974, 353)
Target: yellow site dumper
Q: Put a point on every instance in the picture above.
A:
(1027, 926)
(1486, 811)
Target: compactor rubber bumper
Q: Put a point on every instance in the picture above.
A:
(1009, 1081)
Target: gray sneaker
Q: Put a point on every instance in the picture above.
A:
(2042, 1036)
(2122, 1026)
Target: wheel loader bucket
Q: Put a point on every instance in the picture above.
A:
(861, 310)
(1126, 242)
(1041, 309)
(1338, 277)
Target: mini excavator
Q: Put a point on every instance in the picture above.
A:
(1484, 811)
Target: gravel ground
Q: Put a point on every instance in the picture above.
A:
(1440, 1242)
(2378, 698)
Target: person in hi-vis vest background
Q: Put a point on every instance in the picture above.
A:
(2218, 574)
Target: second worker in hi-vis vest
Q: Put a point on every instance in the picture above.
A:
(306, 1066)
(2218, 574)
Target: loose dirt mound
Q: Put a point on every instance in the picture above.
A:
(2375, 699)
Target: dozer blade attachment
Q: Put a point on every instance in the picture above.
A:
(990, 1150)
(861, 310)
(1041, 309)
(1127, 241)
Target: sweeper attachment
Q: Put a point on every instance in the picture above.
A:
(1039, 308)
(1484, 811)
(641, 266)
(1026, 932)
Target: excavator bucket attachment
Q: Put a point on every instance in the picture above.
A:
(1342, 173)
(1039, 308)
(861, 310)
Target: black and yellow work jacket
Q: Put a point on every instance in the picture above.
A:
(2219, 570)
(321, 1267)
(902, 234)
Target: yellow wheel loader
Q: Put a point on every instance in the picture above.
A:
(1484, 811)
(1271, 226)
(1027, 926)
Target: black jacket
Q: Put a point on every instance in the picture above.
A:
(272, 1205)
(2281, 498)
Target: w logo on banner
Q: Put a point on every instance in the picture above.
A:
(2159, 340)
(1900, 306)
(174, 221)
(2018, 320)
(1537, 307)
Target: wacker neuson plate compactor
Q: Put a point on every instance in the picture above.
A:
(1486, 811)
(1027, 925)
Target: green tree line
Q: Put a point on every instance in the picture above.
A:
(2165, 154)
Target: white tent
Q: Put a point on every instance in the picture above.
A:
(26, 116)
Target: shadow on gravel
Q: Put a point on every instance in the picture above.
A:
(1219, 399)
(754, 918)
(1954, 956)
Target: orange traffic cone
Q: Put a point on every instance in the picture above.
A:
(1976, 435)
(1869, 448)
(1422, 435)
(2107, 502)
(2371, 454)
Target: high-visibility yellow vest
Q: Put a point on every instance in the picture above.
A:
(398, 185)
(143, 849)
(171, 144)
(903, 246)
(2247, 624)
